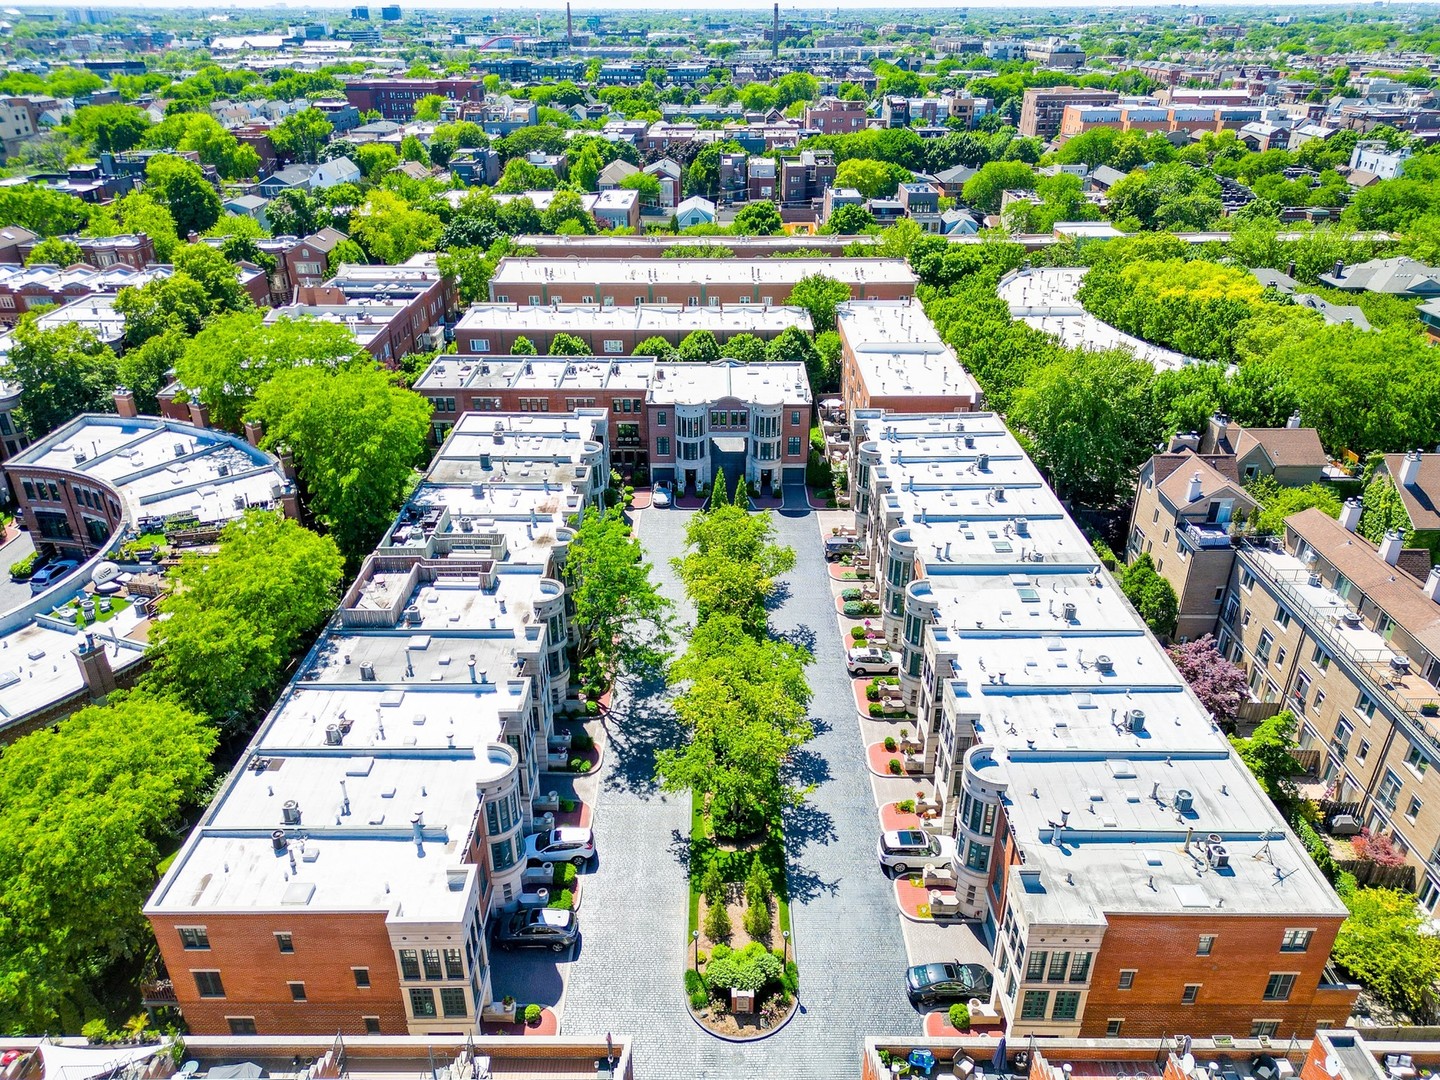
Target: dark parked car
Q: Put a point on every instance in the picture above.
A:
(930, 984)
(538, 928)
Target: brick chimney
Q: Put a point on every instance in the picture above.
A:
(95, 668)
(199, 414)
(125, 403)
(254, 432)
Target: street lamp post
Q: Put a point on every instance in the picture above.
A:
(695, 937)
(786, 935)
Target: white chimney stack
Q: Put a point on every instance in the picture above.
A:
(1192, 493)
(1391, 545)
(1350, 514)
(1294, 421)
(1432, 584)
(1410, 469)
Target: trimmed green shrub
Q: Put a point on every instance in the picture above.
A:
(24, 568)
(717, 925)
(579, 764)
(857, 633)
(906, 806)
(532, 1015)
(960, 1016)
(582, 742)
(693, 981)
(895, 767)
(875, 709)
(890, 743)
(699, 999)
(751, 968)
(850, 594)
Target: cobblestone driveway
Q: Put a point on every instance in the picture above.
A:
(852, 953)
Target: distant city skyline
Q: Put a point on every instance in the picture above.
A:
(739, 5)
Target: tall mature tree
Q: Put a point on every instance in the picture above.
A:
(55, 251)
(356, 439)
(1153, 597)
(301, 135)
(145, 370)
(180, 185)
(62, 371)
(699, 346)
(568, 345)
(758, 219)
(241, 612)
(820, 296)
(174, 303)
(391, 230)
(732, 565)
(1386, 944)
(109, 128)
(622, 621)
(215, 273)
(237, 353)
(1218, 683)
(41, 210)
(84, 808)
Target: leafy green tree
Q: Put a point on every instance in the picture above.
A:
(820, 296)
(202, 133)
(145, 371)
(138, 212)
(520, 176)
(523, 346)
(1387, 947)
(301, 135)
(374, 160)
(717, 922)
(1172, 197)
(293, 212)
(647, 184)
(848, 220)
(391, 230)
(215, 273)
(746, 348)
(239, 613)
(657, 347)
(356, 439)
(41, 210)
(412, 149)
(699, 346)
(585, 172)
(758, 219)
(568, 345)
(984, 189)
(873, 179)
(1152, 596)
(109, 128)
(62, 371)
(85, 806)
(175, 303)
(428, 107)
(1087, 422)
(622, 622)
(235, 354)
(182, 188)
(794, 346)
(566, 214)
(56, 251)
(1278, 502)
(472, 268)
(733, 563)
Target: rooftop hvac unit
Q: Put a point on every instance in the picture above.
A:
(1217, 856)
(277, 840)
(982, 462)
(1400, 664)
(290, 812)
(1022, 526)
(1068, 612)
(1104, 665)
(999, 494)
(179, 449)
(970, 442)
(238, 502)
(412, 614)
(1184, 799)
(79, 456)
(333, 735)
(1136, 720)
(367, 672)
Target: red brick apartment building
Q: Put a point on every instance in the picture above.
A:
(395, 99)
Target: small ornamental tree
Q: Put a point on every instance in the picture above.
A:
(1218, 683)
(1377, 848)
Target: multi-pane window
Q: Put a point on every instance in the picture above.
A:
(1190, 993)
(502, 855)
(297, 991)
(409, 964)
(1034, 1005)
(1389, 790)
(1127, 979)
(1296, 940)
(1035, 969)
(241, 1025)
(1264, 1029)
(431, 960)
(1059, 961)
(422, 1003)
(454, 966)
(193, 937)
(1067, 1005)
(1080, 968)
(208, 984)
(1112, 1028)
(977, 857)
(1417, 760)
(1278, 987)
(285, 942)
(1207, 943)
(362, 978)
(452, 1001)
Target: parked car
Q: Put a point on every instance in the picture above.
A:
(930, 984)
(837, 546)
(660, 495)
(872, 661)
(901, 850)
(538, 928)
(50, 573)
(560, 845)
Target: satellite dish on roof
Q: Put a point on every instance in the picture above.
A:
(106, 571)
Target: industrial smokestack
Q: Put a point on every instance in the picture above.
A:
(569, 29)
(775, 34)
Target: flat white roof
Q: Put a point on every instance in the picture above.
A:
(899, 352)
(725, 320)
(761, 384)
(679, 272)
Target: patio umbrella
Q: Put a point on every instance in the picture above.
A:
(998, 1064)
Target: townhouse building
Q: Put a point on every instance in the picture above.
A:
(135, 250)
(692, 282)
(892, 358)
(662, 417)
(1130, 876)
(1346, 635)
(615, 331)
(836, 116)
(655, 245)
(25, 288)
(345, 876)
(100, 474)
(804, 180)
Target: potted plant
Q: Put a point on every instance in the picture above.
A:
(1430, 708)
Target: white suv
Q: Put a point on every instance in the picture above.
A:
(899, 851)
(872, 661)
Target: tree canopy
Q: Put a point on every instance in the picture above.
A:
(62, 371)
